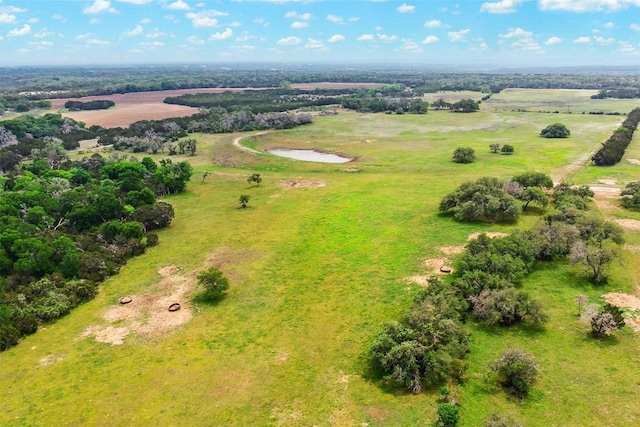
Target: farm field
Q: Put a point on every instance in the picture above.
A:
(321, 258)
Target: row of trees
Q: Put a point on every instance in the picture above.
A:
(98, 104)
(613, 148)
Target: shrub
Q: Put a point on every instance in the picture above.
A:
(448, 415)
(214, 283)
(556, 130)
(507, 149)
(506, 307)
(483, 200)
(464, 155)
(631, 195)
(516, 372)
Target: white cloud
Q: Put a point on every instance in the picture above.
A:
(33, 20)
(205, 18)
(145, 21)
(6, 18)
(138, 2)
(156, 33)
(458, 36)
(635, 27)
(314, 44)
(41, 44)
(387, 38)
(553, 40)
(434, 23)
(628, 48)
(152, 45)
(59, 18)
(26, 29)
(338, 20)
(405, 8)
(261, 21)
(99, 6)
(289, 41)
(353, 19)
(582, 40)
(502, 6)
(178, 5)
(516, 33)
(299, 25)
(294, 14)
(136, 51)
(410, 46)
(244, 47)
(44, 33)
(227, 33)
(336, 38)
(609, 25)
(365, 38)
(605, 41)
(587, 5)
(195, 40)
(134, 31)
(235, 24)
(98, 42)
(430, 40)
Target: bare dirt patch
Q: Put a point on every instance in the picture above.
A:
(630, 224)
(452, 250)
(46, 361)
(287, 185)
(490, 234)
(419, 280)
(608, 181)
(634, 161)
(435, 265)
(147, 315)
(626, 301)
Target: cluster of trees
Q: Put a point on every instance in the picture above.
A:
(466, 105)
(219, 121)
(613, 148)
(464, 155)
(622, 93)
(486, 286)
(631, 195)
(64, 229)
(98, 104)
(505, 149)
(385, 104)
(556, 130)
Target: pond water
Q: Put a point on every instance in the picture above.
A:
(309, 156)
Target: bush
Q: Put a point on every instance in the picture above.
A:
(507, 149)
(506, 307)
(631, 195)
(556, 130)
(516, 372)
(464, 155)
(483, 200)
(214, 283)
(448, 415)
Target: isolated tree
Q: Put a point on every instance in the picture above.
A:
(214, 282)
(255, 178)
(507, 149)
(494, 148)
(595, 258)
(483, 200)
(606, 320)
(516, 372)
(448, 415)
(464, 155)
(581, 301)
(556, 130)
(244, 199)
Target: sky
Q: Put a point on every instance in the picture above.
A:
(502, 33)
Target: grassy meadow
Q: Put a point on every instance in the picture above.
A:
(315, 270)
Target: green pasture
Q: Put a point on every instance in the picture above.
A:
(315, 271)
(567, 101)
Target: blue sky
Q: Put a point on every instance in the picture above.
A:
(501, 33)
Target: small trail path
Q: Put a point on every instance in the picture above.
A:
(236, 143)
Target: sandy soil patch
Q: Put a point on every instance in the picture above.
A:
(287, 185)
(634, 161)
(626, 301)
(125, 114)
(489, 234)
(147, 314)
(631, 224)
(436, 265)
(604, 204)
(46, 361)
(419, 280)
(604, 190)
(452, 250)
(608, 181)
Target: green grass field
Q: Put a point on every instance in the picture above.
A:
(315, 271)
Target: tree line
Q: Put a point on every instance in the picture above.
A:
(614, 147)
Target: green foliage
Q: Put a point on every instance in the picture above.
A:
(534, 195)
(155, 216)
(556, 130)
(244, 200)
(466, 105)
(506, 307)
(613, 148)
(464, 155)
(483, 200)
(631, 195)
(498, 420)
(507, 149)
(255, 178)
(516, 371)
(99, 104)
(448, 415)
(214, 282)
(534, 179)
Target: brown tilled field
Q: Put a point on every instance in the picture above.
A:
(132, 107)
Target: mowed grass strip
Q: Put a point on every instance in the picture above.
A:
(315, 272)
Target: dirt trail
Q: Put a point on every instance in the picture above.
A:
(236, 143)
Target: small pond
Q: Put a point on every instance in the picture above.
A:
(309, 156)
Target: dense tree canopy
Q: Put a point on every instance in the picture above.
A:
(556, 130)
